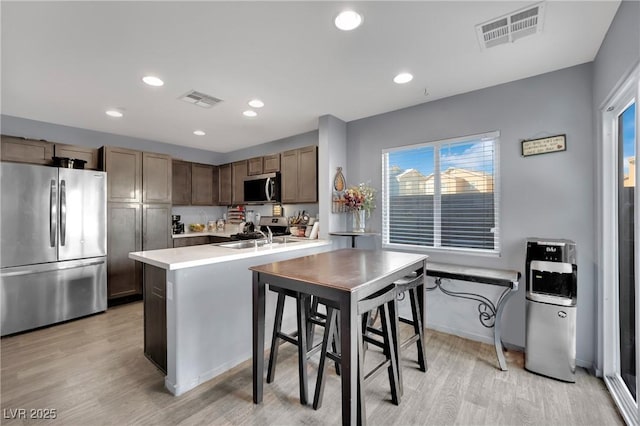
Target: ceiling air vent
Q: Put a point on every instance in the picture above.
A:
(511, 27)
(200, 99)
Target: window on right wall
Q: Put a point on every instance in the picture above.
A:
(442, 195)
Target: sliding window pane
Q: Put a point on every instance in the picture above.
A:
(626, 278)
(410, 185)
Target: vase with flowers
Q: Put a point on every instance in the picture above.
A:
(360, 200)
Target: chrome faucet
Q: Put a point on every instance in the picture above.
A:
(268, 237)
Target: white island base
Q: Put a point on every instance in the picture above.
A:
(208, 307)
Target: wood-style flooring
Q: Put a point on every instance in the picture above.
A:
(93, 372)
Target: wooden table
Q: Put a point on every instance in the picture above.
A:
(345, 276)
(353, 235)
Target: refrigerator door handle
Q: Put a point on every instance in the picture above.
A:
(53, 214)
(63, 212)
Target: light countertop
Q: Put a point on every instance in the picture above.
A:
(189, 257)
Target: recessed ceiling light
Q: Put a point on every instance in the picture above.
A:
(256, 103)
(152, 81)
(249, 113)
(348, 20)
(403, 77)
(113, 113)
(199, 133)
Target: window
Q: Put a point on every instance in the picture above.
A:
(442, 195)
(620, 246)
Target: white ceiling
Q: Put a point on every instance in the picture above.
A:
(67, 62)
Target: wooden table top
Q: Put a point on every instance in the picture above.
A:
(346, 269)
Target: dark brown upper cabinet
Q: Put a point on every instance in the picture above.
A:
(22, 150)
(254, 166)
(201, 184)
(215, 195)
(271, 163)
(156, 178)
(308, 174)
(238, 173)
(299, 168)
(224, 185)
(124, 174)
(90, 155)
(181, 182)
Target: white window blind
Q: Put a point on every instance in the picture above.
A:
(442, 195)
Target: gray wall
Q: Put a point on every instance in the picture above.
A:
(619, 51)
(549, 196)
(16, 126)
(273, 147)
(332, 152)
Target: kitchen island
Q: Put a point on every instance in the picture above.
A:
(197, 303)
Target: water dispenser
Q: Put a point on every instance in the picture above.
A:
(551, 304)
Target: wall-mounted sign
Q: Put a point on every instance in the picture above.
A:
(544, 145)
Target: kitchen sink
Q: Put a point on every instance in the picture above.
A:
(256, 243)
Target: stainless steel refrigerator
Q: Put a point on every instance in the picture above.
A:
(53, 239)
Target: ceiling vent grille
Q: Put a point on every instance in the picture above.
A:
(511, 27)
(200, 99)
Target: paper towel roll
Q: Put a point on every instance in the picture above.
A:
(314, 231)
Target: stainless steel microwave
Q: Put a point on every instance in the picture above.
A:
(262, 189)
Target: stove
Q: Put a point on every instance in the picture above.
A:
(278, 225)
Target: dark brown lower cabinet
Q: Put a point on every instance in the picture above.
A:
(133, 227)
(124, 235)
(198, 241)
(155, 316)
(190, 241)
(216, 239)
(156, 226)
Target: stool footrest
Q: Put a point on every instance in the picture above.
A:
(405, 320)
(410, 340)
(383, 366)
(373, 341)
(288, 337)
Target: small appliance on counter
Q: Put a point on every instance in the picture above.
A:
(177, 227)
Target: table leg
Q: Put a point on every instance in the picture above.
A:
(497, 337)
(349, 360)
(423, 318)
(258, 337)
(353, 241)
(301, 304)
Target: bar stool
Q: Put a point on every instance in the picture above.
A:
(410, 284)
(307, 316)
(384, 301)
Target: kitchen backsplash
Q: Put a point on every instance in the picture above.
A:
(203, 214)
(198, 214)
